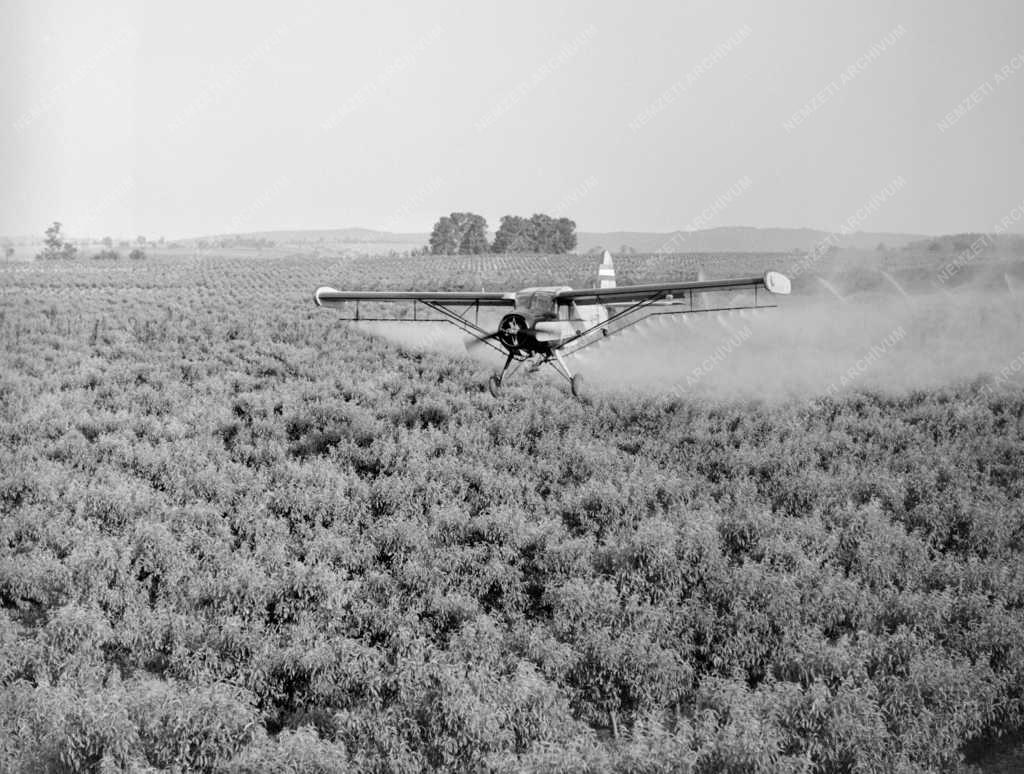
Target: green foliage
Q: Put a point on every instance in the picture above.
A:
(537, 234)
(299, 751)
(462, 233)
(515, 235)
(192, 728)
(56, 248)
(239, 536)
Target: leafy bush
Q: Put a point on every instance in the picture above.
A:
(191, 728)
(236, 536)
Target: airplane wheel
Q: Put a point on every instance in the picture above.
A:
(576, 385)
(494, 385)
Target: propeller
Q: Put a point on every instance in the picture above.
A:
(512, 333)
(472, 342)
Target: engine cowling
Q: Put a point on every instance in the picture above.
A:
(553, 330)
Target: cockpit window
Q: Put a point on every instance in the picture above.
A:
(537, 303)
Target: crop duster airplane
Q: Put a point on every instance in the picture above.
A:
(541, 325)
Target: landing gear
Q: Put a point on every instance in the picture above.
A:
(494, 383)
(552, 358)
(576, 385)
(575, 381)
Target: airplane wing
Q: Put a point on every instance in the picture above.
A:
(619, 308)
(325, 296)
(679, 292)
(459, 308)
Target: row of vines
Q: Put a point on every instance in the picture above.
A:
(239, 536)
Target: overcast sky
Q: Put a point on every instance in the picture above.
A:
(186, 118)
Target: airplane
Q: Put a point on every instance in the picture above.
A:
(541, 325)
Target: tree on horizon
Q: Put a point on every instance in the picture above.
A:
(461, 233)
(56, 247)
(539, 233)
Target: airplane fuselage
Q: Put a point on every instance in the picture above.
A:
(539, 323)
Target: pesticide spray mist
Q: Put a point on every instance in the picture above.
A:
(823, 347)
(825, 344)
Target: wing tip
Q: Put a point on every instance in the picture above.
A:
(776, 282)
(322, 289)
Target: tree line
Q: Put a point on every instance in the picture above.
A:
(465, 233)
(57, 248)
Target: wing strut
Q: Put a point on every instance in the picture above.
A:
(638, 306)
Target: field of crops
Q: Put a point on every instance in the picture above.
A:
(238, 535)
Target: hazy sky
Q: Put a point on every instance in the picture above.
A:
(186, 118)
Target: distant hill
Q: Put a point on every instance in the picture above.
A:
(732, 239)
(325, 236)
(728, 239)
(735, 239)
(1003, 244)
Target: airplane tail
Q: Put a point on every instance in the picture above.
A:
(589, 315)
(700, 300)
(606, 271)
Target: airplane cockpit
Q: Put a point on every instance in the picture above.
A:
(538, 303)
